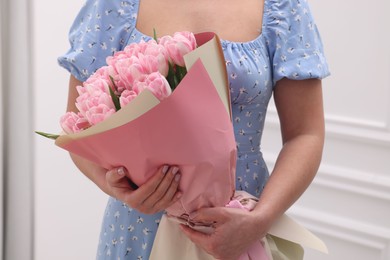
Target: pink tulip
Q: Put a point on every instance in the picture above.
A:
(99, 113)
(131, 69)
(148, 63)
(156, 83)
(150, 48)
(160, 54)
(93, 101)
(119, 55)
(186, 38)
(128, 70)
(99, 80)
(73, 123)
(134, 49)
(126, 97)
(100, 74)
(179, 45)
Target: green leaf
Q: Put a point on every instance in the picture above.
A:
(175, 80)
(154, 34)
(114, 97)
(170, 77)
(181, 71)
(47, 135)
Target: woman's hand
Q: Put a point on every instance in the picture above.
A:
(157, 194)
(235, 231)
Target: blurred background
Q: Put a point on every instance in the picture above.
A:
(51, 211)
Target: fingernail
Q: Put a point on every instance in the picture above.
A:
(175, 170)
(177, 177)
(121, 171)
(165, 169)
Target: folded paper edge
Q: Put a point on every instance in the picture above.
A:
(282, 229)
(210, 46)
(143, 103)
(287, 228)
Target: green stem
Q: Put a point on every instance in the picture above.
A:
(170, 77)
(154, 34)
(114, 97)
(182, 71)
(175, 80)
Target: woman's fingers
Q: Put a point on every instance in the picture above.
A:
(114, 177)
(149, 187)
(157, 193)
(118, 183)
(166, 193)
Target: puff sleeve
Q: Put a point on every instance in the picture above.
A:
(100, 28)
(293, 41)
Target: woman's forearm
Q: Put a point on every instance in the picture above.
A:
(294, 170)
(300, 108)
(94, 172)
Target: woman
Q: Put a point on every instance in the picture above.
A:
(270, 47)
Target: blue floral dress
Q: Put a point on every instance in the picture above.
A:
(289, 46)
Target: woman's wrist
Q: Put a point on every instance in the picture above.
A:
(261, 221)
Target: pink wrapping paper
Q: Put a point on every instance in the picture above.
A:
(190, 129)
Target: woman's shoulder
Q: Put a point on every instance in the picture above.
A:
(279, 11)
(112, 3)
(293, 40)
(102, 9)
(284, 16)
(285, 5)
(100, 19)
(100, 28)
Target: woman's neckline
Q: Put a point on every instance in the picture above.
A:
(224, 42)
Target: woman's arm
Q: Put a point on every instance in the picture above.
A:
(300, 109)
(158, 193)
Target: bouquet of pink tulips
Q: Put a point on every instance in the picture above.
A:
(128, 115)
(154, 65)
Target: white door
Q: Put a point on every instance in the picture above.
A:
(17, 132)
(68, 207)
(1, 134)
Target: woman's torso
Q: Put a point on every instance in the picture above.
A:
(128, 234)
(250, 83)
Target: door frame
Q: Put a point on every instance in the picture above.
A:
(17, 130)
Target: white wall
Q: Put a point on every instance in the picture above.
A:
(348, 203)
(68, 207)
